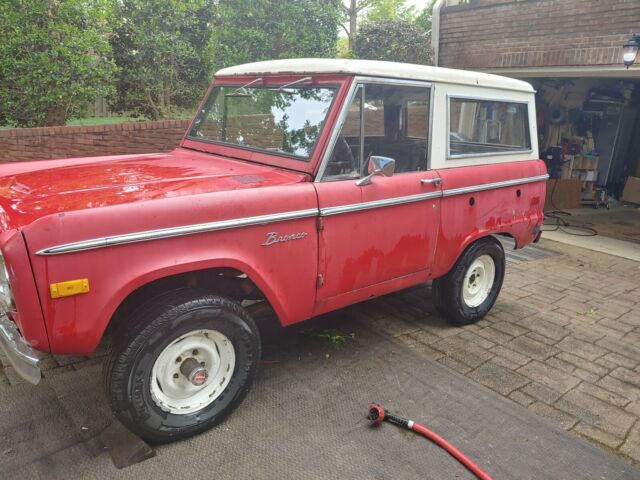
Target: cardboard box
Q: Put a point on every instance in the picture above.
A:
(591, 175)
(590, 162)
(578, 163)
(563, 194)
(631, 192)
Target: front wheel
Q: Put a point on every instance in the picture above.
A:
(180, 363)
(469, 290)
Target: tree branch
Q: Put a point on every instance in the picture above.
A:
(363, 4)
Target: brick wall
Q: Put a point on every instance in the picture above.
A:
(534, 33)
(259, 130)
(85, 141)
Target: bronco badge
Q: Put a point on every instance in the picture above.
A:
(273, 237)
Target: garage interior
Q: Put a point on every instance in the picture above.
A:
(589, 136)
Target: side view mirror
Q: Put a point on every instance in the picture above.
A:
(384, 166)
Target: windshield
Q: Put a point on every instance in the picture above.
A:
(284, 120)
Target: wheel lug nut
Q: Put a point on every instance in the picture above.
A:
(195, 351)
(178, 360)
(175, 375)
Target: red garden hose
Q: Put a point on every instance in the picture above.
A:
(377, 414)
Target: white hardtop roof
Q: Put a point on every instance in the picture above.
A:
(405, 71)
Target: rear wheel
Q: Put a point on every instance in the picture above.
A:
(180, 363)
(469, 290)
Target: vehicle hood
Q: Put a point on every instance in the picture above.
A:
(30, 190)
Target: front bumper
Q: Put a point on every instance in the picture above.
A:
(24, 358)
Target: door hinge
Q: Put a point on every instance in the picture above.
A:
(320, 281)
(320, 223)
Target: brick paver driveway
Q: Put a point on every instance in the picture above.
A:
(563, 340)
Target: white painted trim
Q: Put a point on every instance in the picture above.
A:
(440, 128)
(608, 71)
(435, 30)
(374, 68)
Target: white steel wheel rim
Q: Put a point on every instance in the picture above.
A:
(478, 281)
(172, 391)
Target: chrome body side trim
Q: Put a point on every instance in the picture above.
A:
(489, 154)
(490, 186)
(177, 231)
(272, 218)
(24, 358)
(356, 207)
(387, 202)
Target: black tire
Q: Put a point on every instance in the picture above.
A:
(140, 339)
(447, 291)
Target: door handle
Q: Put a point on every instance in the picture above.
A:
(431, 181)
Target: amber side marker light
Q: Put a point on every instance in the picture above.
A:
(67, 289)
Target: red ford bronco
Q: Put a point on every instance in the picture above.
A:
(308, 184)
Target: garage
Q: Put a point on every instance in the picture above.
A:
(589, 136)
(588, 102)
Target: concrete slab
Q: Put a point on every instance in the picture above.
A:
(598, 243)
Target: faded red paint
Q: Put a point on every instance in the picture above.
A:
(494, 211)
(75, 184)
(358, 255)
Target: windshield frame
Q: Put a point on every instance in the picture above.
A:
(258, 155)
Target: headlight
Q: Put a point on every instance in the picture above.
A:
(6, 297)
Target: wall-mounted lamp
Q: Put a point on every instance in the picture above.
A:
(630, 50)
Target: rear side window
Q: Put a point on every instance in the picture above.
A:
(487, 127)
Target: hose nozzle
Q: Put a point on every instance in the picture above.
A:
(375, 413)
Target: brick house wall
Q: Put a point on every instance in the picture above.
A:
(92, 140)
(488, 34)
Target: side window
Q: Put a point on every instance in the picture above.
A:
(417, 118)
(395, 121)
(487, 127)
(346, 156)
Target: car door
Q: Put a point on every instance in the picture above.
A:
(385, 230)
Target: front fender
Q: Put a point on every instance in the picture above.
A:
(285, 271)
(28, 315)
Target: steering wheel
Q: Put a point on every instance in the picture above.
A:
(342, 159)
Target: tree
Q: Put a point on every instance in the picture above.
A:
(423, 20)
(394, 40)
(373, 11)
(54, 59)
(381, 10)
(162, 49)
(251, 30)
(350, 14)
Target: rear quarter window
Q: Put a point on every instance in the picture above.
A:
(487, 127)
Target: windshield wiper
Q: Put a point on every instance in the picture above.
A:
(305, 79)
(242, 91)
